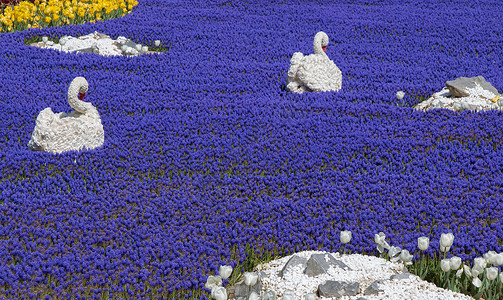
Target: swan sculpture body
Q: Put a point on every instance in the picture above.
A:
(61, 132)
(315, 72)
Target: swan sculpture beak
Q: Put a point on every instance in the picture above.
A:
(81, 96)
(324, 48)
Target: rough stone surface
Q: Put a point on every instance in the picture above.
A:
(292, 262)
(60, 132)
(401, 276)
(104, 45)
(362, 269)
(320, 263)
(332, 288)
(373, 289)
(241, 290)
(480, 98)
(460, 87)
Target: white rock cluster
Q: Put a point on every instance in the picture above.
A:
(97, 43)
(346, 277)
(465, 94)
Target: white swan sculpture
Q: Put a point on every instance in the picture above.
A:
(61, 132)
(315, 72)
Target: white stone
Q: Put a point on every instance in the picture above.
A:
(100, 44)
(365, 270)
(60, 132)
(315, 72)
(479, 100)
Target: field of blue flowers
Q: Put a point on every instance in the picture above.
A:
(206, 152)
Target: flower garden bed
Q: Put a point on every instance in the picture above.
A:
(206, 153)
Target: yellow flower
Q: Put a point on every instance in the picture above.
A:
(98, 16)
(71, 16)
(47, 19)
(55, 17)
(37, 18)
(36, 2)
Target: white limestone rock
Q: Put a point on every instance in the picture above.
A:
(362, 274)
(60, 132)
(315, 72)
(479, 99)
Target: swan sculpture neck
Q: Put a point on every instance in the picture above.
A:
(320, 43)
(78, 88)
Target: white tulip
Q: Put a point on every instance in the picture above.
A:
(288, 295)
(459, 272)
(253, 296)
(491, 273)
(213, 281)
(479, 261)
(138, 47)
(345, 236)
(423, 243)
(476, 282)
(310, 296)
(477, 270)
(467, 270)
(400, 95)
(445, 265)
(225, 271)
(381, 243)
(250, 278)
(45, 39)
(498, 260)
(144, 49)
(501, 277)
(455, 262)
(219, 293)
(406, 257)
(394, 251)
(446, 240)
(490, 257)
(157, 43)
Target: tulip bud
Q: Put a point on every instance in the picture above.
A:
(467, 270)
(459, 272)
(491, 273)
(250, 278)
(45, 39)
(445, 265)
(213, 281)
(479, 261)
(498, 260)
(490, 257)
(138, 47)
(423, 243)
(144, 49)
(219, 293)
(476, 282)
(157, 43)
(455, 262)
(406, 257)
(501, 277)
(225, 271)
(446, 240)
(400, 95)
(345, 236)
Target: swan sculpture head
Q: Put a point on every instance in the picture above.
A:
(320, 43)
(76, 93)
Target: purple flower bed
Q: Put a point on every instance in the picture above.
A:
(205, 152)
